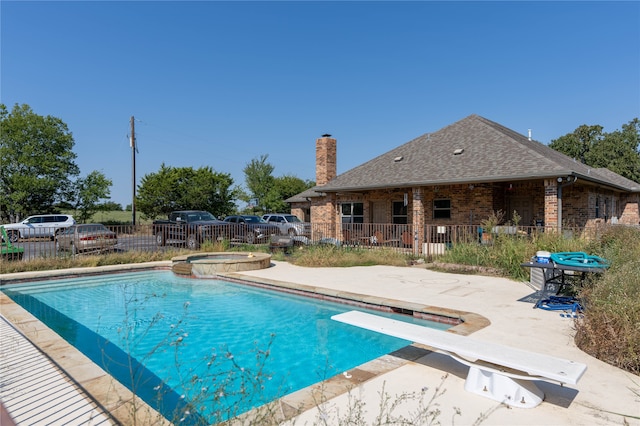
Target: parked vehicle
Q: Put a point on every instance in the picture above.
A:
(37, 226)
(190, 227)
(250, 229)
(86, 237)
(288, 224)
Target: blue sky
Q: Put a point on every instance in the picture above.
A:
(221, 83)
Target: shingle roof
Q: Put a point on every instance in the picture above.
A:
(490, 152)
(302, 197)
(619, 180)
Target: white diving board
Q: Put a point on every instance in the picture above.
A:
(499, 372)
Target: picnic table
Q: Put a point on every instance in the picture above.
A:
(562, 276)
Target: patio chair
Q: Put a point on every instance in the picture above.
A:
(348, 237)
(378, 239)
(407, 241)
(394, 237)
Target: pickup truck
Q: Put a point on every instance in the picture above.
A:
(189, 227)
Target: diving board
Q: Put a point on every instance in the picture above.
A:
(499, 372)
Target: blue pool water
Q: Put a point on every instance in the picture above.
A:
(202, 351)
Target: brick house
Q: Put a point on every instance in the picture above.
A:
(461, 174)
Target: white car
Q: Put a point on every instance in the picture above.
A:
(43, 225)
(288, 224)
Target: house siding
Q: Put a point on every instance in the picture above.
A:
(630, 212)
(324, 211)
(472, 204)
(550, 203)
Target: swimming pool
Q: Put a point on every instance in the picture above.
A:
(209, 347)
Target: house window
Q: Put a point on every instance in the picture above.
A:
(399, 213)
(442, 209)
(352, 212)
(597, 207)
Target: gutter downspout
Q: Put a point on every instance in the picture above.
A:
(570, 181)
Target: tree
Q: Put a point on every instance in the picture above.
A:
(259, 180)
(183, 188)
(269, 191)
(285, 187)
(87, 194)
(37, 162)
(578, 144)
(617, 151)
(110, 206)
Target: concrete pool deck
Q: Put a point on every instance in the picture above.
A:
(601, 393)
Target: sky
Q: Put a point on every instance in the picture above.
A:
(218, 84)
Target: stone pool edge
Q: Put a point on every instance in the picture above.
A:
(100, 386)
(121, 402)
(464, 323)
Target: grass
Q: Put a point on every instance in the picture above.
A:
(507, 252)
(88, 261)
(331, 256)
(610, 329)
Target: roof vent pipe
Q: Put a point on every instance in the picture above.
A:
(529, 134)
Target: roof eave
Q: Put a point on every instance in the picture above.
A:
(479, 180)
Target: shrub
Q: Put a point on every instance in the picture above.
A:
(507, 252)
(332, 256)
(610, 328)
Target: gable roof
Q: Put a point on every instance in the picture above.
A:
(304, 195)
(487, 152)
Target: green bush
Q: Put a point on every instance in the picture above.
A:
(610, 328)
(506, 252)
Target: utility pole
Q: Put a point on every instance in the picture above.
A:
(133, 169)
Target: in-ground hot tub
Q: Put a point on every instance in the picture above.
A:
(203, 265)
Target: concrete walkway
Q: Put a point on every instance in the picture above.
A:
(600, 397)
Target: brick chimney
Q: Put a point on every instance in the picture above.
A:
(326, 156)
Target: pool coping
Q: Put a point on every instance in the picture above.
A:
(101, 387)
(122, 403)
